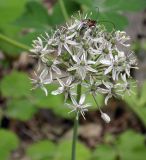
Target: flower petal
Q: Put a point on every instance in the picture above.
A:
(69, 80)
(108, 70)
(45, 90)
(67, 48)
(90, 69)
(56, 69)
(82, 99)
(58, 91)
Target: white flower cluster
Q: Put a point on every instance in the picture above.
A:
(83, 52)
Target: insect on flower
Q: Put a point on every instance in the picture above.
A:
(89, 23)
(83, 53)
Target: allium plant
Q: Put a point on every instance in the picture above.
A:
(84, 54)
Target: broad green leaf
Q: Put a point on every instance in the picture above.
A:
(131, 146)
(20, 109)
(10, 31)
(8, 143)
(35, 16)
(63, 111)
(16, 84)
(137, 101)
(29, 37)
(104, 152)
(142, 99)
(40, 99)
(124, 142)
(88, 3)
(116, 5)
(111, 20)
(38, 20)
(63, 151)
(121, 5)
(43, 150)
(55, 103)
(141, 112)
(10, 10)
(112, 10)
(56, 17)
(132, 99)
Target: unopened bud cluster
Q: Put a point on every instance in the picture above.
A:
(83, 52)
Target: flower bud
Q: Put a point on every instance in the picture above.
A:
(105, 117)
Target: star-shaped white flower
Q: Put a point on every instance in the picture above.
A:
(40, 81)
(114, 65)
(50, 67)
(64, 41)
(65, 88)
(82, 66)
(79, 107)
(107, 90)
(122, 38)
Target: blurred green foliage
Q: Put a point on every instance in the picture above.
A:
(42, 150)
(137, 102)
(23, 21)
(127, 146)
(8, 143)
(15, 85)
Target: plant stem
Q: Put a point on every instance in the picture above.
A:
(63, 9)
(13, 42)
(76, 121)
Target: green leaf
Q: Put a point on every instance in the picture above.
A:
(104, 152)
(10, 31)
(112, 10)
(20, 109)
(29, 37)
(64, 151)
(111, 20)
(137, 102)
(131, 148)
(8, 143)
(142, 99)
(38, 20)
(10, 10)
(43, 150)
(88, 3)
(55, 103)
(43, 101)
(35, 16)
(127, 146)
(124, 142)
(35, 19)
(16, 84)
(56, 17)
(122, 5)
